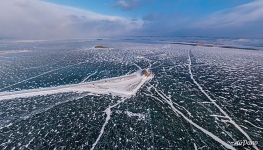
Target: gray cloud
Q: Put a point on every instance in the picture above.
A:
(34, 19)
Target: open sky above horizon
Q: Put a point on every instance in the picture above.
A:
(58, 19)
(141, 8)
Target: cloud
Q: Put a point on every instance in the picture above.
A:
(243, 20)
(127, 4)
(35, 19)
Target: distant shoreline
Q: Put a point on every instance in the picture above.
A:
(212, 45)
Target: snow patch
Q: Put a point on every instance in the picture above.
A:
(140, 116)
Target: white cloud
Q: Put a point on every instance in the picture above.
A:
(243, 21)
(236, 17)
(35, 19)
(127, 4)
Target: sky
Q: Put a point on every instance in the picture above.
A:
(66, 19)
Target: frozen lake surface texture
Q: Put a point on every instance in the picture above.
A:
(129, 95)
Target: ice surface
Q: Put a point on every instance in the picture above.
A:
(56, 95)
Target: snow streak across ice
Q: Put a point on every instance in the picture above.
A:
(123, 86)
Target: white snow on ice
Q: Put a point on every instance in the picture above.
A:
(139, 115)
(123, 86)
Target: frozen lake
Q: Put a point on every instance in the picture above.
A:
(200, 97)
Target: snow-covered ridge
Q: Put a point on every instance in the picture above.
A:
(123, 86)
